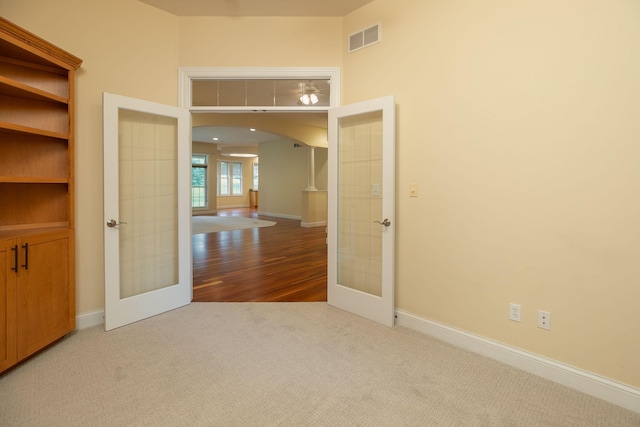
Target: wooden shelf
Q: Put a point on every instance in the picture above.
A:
(15, 88)
(12, 127)
(32, 180)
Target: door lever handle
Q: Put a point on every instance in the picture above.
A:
(113, 223)
(384, 222)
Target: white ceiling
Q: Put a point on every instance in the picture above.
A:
(228, 136)
(258, 7)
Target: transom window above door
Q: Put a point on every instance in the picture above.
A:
(204, 90)
(260, 93)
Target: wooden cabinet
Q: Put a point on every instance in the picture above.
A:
(37, 291)
(7, 310)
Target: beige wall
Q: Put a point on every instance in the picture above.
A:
(321, 156)
(519, 122)
(283, 175)
(260, 42)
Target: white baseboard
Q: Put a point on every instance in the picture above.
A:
(196, 212)
(279, 215)
(238, 206)
(313, 224)
(92, 318)
(586, 382)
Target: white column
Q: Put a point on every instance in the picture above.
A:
(312, 171)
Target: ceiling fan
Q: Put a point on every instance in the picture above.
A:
(309, 93)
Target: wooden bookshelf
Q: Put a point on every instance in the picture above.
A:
(37, 262)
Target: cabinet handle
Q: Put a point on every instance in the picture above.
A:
(26, 256)
(15, 258)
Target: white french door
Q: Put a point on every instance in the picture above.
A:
(147, 209)
(361, 226)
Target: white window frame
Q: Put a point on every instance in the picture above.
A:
(205, 166)
(230, 178)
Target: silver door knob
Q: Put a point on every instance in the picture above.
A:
(113, 223)
(384, 222)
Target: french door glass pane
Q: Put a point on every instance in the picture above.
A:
(148, 202)
(359, 238)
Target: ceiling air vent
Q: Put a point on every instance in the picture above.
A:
(364, 38)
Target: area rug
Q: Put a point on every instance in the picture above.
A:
(212, 224)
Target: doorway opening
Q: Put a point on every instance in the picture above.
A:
(286, 262)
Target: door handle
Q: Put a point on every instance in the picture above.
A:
(15, 258)
(26, 256)
(384, 222)
(113, 223)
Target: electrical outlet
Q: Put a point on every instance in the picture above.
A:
(544, 320)
(515, 312)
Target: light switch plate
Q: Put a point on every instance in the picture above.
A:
(413, 190)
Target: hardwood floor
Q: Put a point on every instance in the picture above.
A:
(284, 262)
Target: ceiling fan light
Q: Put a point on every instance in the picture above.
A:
(313, 98)
(239, 151)
(305, 99)
(247, 155)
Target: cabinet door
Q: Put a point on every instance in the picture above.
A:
(42, 291)
(7, 304)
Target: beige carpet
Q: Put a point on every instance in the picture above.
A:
(211, 224)
(280, 364)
